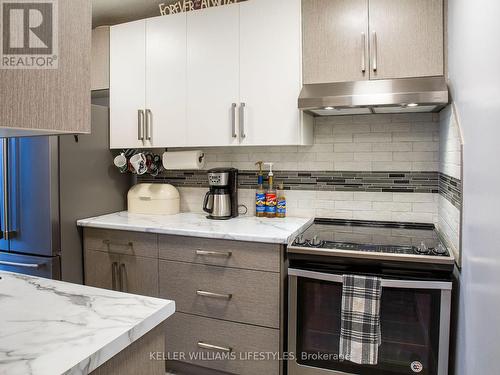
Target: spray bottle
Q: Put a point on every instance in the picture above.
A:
(260, 194)
(270, 194)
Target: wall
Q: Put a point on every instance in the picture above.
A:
(371, 167)
(450, 171)
(474, 56)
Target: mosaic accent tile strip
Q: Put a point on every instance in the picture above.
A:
(451, 189)
(394, 182)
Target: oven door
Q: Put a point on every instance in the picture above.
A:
(415, 323)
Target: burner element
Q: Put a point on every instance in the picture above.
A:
(422, 249)
(300, 240)
(439, 250)
(316, 242)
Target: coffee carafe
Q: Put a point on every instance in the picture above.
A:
(221, 201)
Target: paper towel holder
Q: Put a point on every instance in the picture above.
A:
(200, 159)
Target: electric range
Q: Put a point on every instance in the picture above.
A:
(416, 271)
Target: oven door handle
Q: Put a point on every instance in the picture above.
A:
(386, 283)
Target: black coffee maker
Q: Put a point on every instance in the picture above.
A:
(221, 201)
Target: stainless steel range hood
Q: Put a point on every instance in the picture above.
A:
(429, 94)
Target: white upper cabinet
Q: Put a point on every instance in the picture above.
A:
(270, 71)
(354, 40)
(166, 80)
(212, 75)
(335, 40)
(406, 38)
(223, 76)
(127, 97)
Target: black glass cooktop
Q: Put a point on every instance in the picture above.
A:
(372, 237)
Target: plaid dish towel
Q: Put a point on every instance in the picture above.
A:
(360, 327)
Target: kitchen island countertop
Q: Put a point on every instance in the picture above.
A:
(242, 228)
(51, 327)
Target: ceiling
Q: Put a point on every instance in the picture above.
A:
(111, 12)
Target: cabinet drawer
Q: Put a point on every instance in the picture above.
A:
(224, 293)
(193, 335)
(122, 242)
(237, 254)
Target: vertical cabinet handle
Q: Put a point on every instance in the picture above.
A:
(123, 278)
(114, 275)
(363, 52)
(242, 120)
(233, 120)
(140, 125)
(149, 124)
(374, 61)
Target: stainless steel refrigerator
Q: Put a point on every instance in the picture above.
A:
(47, 184)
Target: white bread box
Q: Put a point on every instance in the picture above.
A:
(158, 199)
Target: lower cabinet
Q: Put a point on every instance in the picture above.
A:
(224, 293)
(229, 295)
(125, 273)
(223, 345)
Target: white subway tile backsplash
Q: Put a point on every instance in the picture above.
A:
(416, 156)
(390, 143)
(373, 156)
(390, 127)
(334, 204)
(373, 137)
(352, 147)
(392, 206)
(350, 128)
(353, 205)
(394, 146)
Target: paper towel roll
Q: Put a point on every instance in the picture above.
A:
(183, 160)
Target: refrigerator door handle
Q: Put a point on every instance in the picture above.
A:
(7, 234)
(17, 264)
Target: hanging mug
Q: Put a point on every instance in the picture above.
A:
(121, 163)
(138, 162)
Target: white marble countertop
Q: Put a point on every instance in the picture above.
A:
(242, 228)
(51, 327)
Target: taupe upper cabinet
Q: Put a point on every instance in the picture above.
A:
(406, 38)
(45, 74)
(353, 40)
(335, 40)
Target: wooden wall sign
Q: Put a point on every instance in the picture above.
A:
(189, 5)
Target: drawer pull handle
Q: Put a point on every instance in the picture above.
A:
(214, 347)
(214, 253)
(108, 243)
(203, 293)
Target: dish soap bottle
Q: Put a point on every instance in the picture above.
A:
(270, 194)
(260, 194)
(281, 206)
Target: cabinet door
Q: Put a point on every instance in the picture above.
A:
(48, 100)
(406, 38)
(139, 275)
(166, 79)
(335, 36)
(270, 69)
(100, 58)
(127, 83)
(99, 269)
(212, 75)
